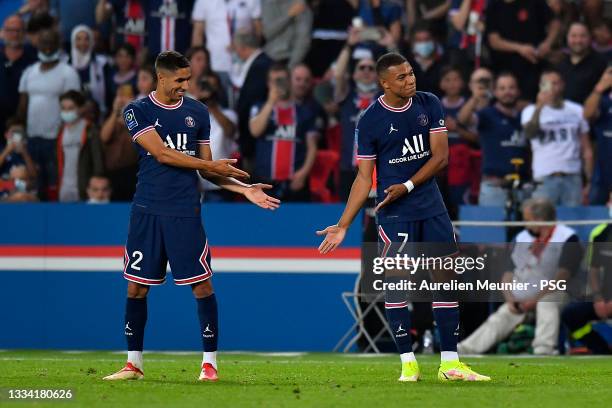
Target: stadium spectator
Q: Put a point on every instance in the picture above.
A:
(578, 316)
(21, 186)
(287, 139)
(381, 14)
(286, 28)
(458, 175)
(199, 58)
(353, 95)
(146, 81)
(37, 24)
(128, 21)
(79, 150)
(93, 69)
(602, 38)
(433, 12)
(215, 22)
(120, 157)
(560, 143)
(467, 22)
(301, 89)
(598, 111)
(15, 151)
(15, 56)
(539, 253)
(251, 83)
(98, 190)
(479, 78)
(222, 134)
(520, 34)
(427, 59)
(40, 88)
(122, 79)
(331, 21)
(582, 68)
(499, 133)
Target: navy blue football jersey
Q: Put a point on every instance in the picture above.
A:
(185, 126)
(399, 140)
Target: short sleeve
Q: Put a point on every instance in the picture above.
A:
(199, 11)
(527, 114)
(364, 137)
(204, 128)
(583, 125)
(23, 81)
(436, 115)
(72, 82)
(136, 121)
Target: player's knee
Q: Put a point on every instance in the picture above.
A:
(202, 289)
(136, 290)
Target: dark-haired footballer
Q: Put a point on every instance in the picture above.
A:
(403, 134)
(172, 132)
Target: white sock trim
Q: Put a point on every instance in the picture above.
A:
(210, 357)
(449, 356)
(407, 357)
(135, 357)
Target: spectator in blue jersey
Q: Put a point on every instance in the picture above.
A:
(461, 141)
(500, 136)
(286, 28)
(15, 151)
(15, 56)
(598, 110)
(287, 139)
(93, 69)
(122, 77)
(433, 12)
(353, 95)
(79, 149)
(427, 58)
(301, 89)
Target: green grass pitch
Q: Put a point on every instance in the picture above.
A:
(305, 380)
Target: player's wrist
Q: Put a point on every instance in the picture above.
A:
(409, 186)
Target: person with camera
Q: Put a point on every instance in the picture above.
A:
(15, 151)
(560, 143)
(499, 132)
(222, 133)
(287, 137)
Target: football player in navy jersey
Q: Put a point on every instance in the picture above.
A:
(172, 136)
(403, 135)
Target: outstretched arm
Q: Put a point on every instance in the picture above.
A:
(334, 234)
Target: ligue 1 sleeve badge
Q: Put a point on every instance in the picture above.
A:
(189, 121)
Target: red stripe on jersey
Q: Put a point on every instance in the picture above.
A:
(283, 150)
(135, 12)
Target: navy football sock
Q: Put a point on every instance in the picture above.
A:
(135, 321)
(207, 313)
(447, 319)
(399, 321)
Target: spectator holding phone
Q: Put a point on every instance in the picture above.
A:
(560, 143)
(15, 151)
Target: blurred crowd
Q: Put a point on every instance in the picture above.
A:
(526, 86)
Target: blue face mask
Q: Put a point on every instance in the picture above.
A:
(424, 48)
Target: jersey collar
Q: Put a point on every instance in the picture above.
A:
(163, 105)
(392, 109)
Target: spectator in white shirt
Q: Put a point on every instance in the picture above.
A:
(40, 88)
(560, 143)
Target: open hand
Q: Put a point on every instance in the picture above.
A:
(334, 235)
(255, 194)
(393, 193)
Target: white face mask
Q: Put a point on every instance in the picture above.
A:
(69, 116)
(97, 201)
(48, 57)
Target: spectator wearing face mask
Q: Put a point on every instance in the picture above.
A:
(40, 88)
(20, 186)
(15, 151)
(427, 59)
(98, 190)
(79, 150)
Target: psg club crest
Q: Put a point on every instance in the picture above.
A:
(422, 119)
(189, 121)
